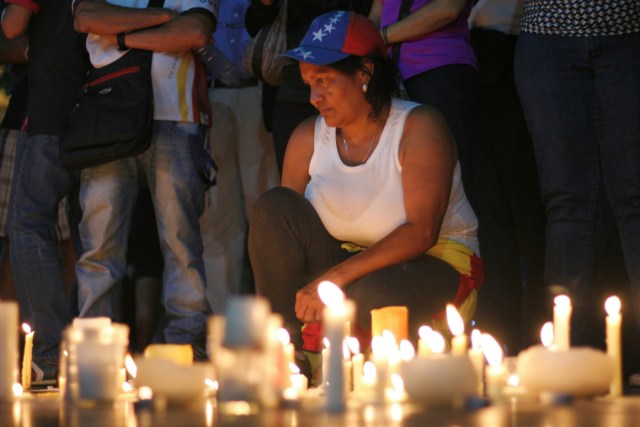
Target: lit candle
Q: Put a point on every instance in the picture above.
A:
(495, 373)
(394, 319)
(8, 349)
(477, 358)
(369, 380)
(456, 325)
(381, 362)
(614, 321)
(423, 342)
(27, 356)
(335, 315)
(299, 382)
(357, 363)
(562, 322)
(286, 357)
(437, 343)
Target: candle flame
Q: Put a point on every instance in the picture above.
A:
(369, 371)
(17, 390)
(396, 382)
(436, 342)
(346, 354)
(612, 306)
(513, 380)
(456, 324)
(331, 295)
(476, 339)
(145, 393)
(326, 342)
(211, 384)
(131, 366)
(26, 328)
(389, 338)
(354, 344)
(424, 332)
(378, 346)
(492, 350)
(562, 301)
(407, 351)
(282, 335)
(546, 334)
(294, 368)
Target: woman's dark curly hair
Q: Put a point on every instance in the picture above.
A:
(384, 81)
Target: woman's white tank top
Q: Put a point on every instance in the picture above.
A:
(364, 203)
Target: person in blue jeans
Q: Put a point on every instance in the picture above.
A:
(170, 167)
(577, 68)
(55, 72)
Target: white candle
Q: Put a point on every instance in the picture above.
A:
(477, 358)
(496, 372)
(423, 342)
(8, 349)
(562, 322)
(335, 315)
(456, 325)
(614, 321)
(27, 356)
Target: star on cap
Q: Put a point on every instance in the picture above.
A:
(318, 35)
(328, 28)
(304, 53)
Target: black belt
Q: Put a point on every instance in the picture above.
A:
(248, 82)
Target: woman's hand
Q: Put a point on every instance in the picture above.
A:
(309, 306)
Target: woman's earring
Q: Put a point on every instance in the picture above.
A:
(365, 88)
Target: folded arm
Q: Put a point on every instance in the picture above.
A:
(160, 30)
(429, 18)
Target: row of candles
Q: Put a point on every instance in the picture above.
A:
(345, 369)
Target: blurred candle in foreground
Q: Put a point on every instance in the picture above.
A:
(456, 325)
(562, 322)
(336, 314)
(614, 322)
(8, 349)
(27, 356)
(495, 372)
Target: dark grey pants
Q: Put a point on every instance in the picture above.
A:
(289, 247)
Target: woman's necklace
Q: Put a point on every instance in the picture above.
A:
(366, 157)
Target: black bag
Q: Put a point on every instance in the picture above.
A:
(113, 116)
